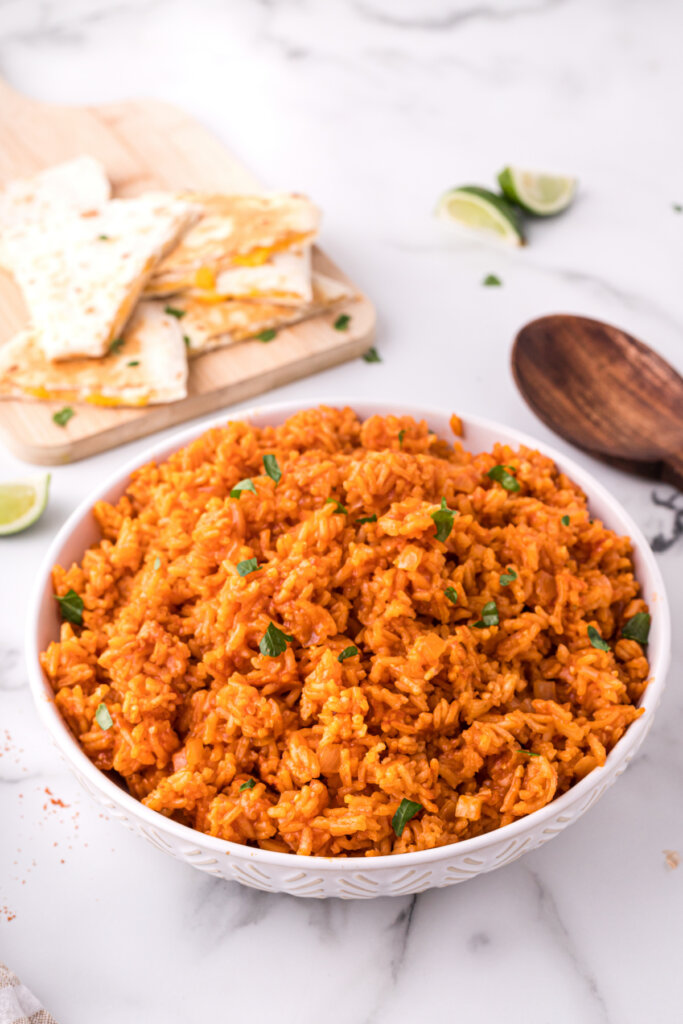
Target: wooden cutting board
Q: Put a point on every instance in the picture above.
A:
(144, 145)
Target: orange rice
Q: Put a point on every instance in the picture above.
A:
(478, 725)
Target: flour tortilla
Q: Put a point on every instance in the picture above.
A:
(207, 326)
(76, 186)
(153, 341)
(81, 274)
(285, 278)
(234, 231)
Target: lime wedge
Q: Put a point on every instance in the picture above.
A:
(542, 194)
(22, 502)
(482, 211)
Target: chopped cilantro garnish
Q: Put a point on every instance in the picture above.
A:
(503, 477)
(401, 435)
(273, 642)
(338, 507)
(443, 520)
(342, 322)
(508, 577)
(187, 341)
(596, 640)
(677, 207)
(116, 346)
(529, 753)
(244, 485)
(103, 238)
(247, 566)
(267, 335)
(102, 717)
(452, 594)
(367, 519)
(133, 362)
(565, 520)
(174, 311)
(272, 468)
(407, 809)
(71, 607)
(62, 417)
(348, 652)
(489, 616)
(491, 280)
(637, 627)
(249, 784)
(372, 356)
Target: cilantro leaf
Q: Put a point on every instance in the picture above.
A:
(637, 627)
(71, 607)
(116, 346)
(274, 641)
(249, 784)
(508, 577)
(407, 809)
(372, 356)
(244, 485)
(103, 718)
(173, 311)
(491, 280)
(342, 322)
(503, 477)
(348, 652)
(267, 335)
(367, 519)
(133, 362)
(339, 508)
(596, 640)
(452, 594)
(443, 520)
(565, 520)
(489, 616)
(62, 417)
(247, 566)
(401, 435)
(270, 464)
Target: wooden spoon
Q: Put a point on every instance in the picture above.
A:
(605, 391)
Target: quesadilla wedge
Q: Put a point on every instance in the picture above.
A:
(207, 326)
(148, 367)
(81, 274)
(75, 186)
(234, 231)
(285, 278)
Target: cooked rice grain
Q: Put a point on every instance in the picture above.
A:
(480, 726)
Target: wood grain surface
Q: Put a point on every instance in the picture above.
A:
(605, 391)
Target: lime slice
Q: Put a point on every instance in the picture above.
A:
(542, 194)
(22, 503)
(482, 211)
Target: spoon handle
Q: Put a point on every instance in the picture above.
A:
(672, 470)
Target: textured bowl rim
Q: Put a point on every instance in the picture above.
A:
(628, 744)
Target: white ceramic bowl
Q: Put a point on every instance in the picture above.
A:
(348, 878)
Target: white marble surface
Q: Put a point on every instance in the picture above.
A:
(374, 106)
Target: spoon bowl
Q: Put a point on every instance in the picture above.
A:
(603, 390)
